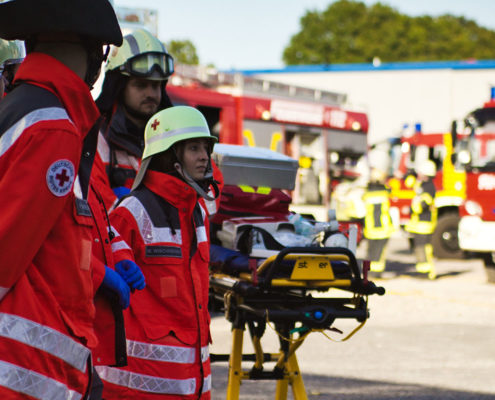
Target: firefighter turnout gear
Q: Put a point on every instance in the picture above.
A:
(422, 225)
(378, 225)
(46, 284)
(167, 324)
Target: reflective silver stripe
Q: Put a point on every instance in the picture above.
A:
(119, 245)
(147, 383)
(44, 338)
(103, 149)
(181, 131)
(33, 384)
(158, 352)
(205, 353)
(149, 233)
(207, 384)
(201, 234)
(3, 291)
(43, 114)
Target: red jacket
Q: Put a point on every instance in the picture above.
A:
(46, 288)
(167, 324)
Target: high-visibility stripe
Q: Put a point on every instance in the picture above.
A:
(3, 291)
(201, 234)
(42, 114)
(119, 245)
(165, 353)
(150, 233)
(207, 384)
(34, 384)
(147, 383)
(180, 131)
(44, 338)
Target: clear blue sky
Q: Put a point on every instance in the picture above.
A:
(250, 34)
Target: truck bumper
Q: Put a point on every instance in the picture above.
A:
(476, 234)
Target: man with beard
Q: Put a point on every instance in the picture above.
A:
(133, 90)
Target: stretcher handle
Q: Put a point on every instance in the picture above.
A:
(313, 250)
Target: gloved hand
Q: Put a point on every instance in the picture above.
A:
(115, 283)
(131, 273)
(121, 191)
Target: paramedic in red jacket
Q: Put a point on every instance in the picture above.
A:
(46, 288)
(167, 324)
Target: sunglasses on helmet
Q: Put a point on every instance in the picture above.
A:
(144, 65)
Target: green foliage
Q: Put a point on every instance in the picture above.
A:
(183, 51)
(348, 31)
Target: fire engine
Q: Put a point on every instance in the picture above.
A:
(309, 125)
(476, 155)
(415, 149)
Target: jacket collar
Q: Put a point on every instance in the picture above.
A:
(47, 72)
(172, 189)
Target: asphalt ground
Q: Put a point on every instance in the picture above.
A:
(425, 339)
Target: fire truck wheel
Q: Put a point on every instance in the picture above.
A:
(445, 241)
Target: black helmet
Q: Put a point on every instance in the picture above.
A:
(93, 19)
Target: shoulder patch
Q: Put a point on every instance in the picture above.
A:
(60, 177)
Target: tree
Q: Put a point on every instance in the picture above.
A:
(348, 31)
(183, 51)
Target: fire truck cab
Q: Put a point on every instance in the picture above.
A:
(476, 155)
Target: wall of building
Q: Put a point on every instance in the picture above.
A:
(432, 94)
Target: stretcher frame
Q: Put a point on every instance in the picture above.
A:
(279, 294)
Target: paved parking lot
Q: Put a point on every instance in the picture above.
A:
(424, 340)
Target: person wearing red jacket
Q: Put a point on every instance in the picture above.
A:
(46, 283)
(167, 323)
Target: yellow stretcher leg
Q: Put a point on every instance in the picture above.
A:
(235, 372)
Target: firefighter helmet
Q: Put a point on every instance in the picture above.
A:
(168, 127)
(94, 19)
(427, 168)
(141, 55)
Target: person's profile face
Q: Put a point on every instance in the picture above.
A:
(195, 157)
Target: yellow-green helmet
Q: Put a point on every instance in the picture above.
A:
(170, 126)
(141, 55)
(11, 52)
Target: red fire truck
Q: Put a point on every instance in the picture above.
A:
(410, 152)
(306, 124)
(476, 154)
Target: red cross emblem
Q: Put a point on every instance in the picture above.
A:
(155, 124)
(62, 177)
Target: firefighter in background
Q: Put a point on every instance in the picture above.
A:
(424, 218)
(378, 225)
(134, 88)
(11, 55)
(46, 283)
(167, 324)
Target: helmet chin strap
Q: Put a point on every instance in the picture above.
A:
(208, 178)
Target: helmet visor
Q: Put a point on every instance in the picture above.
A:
(144, 65)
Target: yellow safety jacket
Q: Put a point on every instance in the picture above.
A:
(423, 211)
(377, 221)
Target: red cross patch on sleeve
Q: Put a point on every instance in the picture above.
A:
(60, 177)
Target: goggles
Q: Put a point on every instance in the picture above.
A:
(144, 65)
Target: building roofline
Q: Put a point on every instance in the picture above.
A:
(361, 67)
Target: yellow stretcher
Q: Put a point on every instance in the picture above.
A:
(280, 293)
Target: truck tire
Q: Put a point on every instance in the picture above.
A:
(445, 241)
(489, 267)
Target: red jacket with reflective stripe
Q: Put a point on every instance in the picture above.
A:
(45, 246)
(168, 231)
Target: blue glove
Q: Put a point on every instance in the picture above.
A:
(115, 283)
(131, 273)
(121, 191)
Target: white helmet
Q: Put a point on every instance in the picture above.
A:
(427, 168)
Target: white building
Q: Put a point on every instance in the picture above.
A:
(395, 94)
